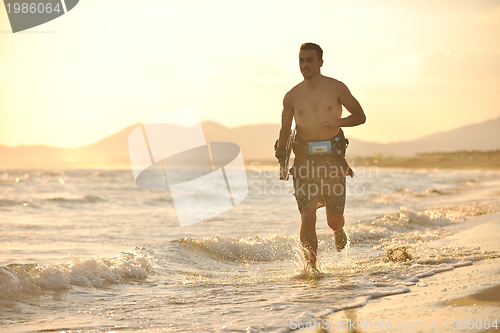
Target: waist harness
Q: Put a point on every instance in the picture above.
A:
(335, 147)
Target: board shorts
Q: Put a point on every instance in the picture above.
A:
(319, 180)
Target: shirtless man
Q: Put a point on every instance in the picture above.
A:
(316, 103)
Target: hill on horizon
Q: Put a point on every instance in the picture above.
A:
(482, 136)
(256, 142)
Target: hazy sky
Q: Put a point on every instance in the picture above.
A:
(416, 66)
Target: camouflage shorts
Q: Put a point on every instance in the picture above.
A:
(319, 180)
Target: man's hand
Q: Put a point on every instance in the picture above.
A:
(282, 171)
(329, 121)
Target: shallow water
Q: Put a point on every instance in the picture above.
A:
(88, 250)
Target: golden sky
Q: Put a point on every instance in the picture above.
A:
(416, 66)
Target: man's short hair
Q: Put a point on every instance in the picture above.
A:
(312, 46)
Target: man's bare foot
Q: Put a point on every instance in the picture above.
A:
(310, 263)
(310, 258)
(310, 267)
(340, 239)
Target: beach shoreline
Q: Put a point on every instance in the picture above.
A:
(441, 302)
(79, 243)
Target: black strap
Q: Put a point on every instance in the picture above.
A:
(301, 149)
(339, 142)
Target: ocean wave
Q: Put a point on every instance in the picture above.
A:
(159, 201)
(85, 199)
(23, 280)
(404, 225)
(165, 198)
(103, 174)
(7, 180)
(433, 260)
(9, 203)
(50, 173)
(407, 219)
(413, 226)
(401, 194)
(6, 204)
(259, 248)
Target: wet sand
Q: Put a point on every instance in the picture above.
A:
(464, 299)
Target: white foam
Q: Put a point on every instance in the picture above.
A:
(17, 281)
(259, 248)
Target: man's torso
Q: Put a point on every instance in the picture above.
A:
(309, 104)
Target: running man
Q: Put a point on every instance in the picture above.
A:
(320, 169)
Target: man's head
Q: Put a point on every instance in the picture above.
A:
(310, 59)
(312, 46)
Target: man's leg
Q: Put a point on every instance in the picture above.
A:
(336, 223)
(308, 237)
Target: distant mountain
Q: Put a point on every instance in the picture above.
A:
(482, 136)
(111, 151)
(256, 142)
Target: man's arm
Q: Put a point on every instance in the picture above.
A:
(286, 120)
(286, 125)
(352, 105)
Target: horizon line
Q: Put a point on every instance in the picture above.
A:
(232, 127)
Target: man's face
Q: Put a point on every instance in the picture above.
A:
(309, 64)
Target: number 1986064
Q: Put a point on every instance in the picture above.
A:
(462, 324)
(27, 8)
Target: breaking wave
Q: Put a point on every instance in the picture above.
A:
(23, 280)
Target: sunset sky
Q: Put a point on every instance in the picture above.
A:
(416, 66)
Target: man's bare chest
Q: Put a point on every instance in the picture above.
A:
(316, 104)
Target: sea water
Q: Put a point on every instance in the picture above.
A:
(88, 250)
